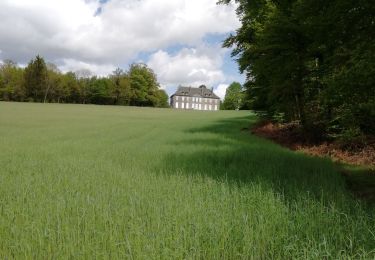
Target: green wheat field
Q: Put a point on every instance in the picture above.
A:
(85, 181)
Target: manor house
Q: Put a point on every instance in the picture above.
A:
(200, 98)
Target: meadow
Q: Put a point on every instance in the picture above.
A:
(85, 181)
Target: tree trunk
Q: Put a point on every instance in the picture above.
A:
(46, 93)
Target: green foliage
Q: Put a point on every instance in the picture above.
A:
(311, 60)
(43, 82)
(136, 183)
(11, 82)
(233, 97)
(144, 85)
(121, 92)
(36, 78)
(161, 98)
(99, 89)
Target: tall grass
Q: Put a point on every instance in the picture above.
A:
(81, 181)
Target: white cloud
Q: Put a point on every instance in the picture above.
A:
(69, 29)
(96, 69)
(220, 90)
(49, 28)
(75, 36)
(190, 66)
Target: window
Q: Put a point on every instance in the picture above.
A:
(209, 107)
(215, 107)
(183, 98)
(176, 98)
(176, 104)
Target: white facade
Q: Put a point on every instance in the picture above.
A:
(195, 103)
(200, 98)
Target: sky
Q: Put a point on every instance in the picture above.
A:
(179, 39)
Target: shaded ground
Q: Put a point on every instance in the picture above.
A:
(360, 177)
(360, 181)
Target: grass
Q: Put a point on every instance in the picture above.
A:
(82, 181)
(360, 181)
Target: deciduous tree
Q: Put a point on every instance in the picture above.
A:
(233, 97)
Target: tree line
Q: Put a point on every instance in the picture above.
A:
(311, 62)
(44, 82)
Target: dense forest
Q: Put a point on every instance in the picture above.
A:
(310, 62)
(43, 82)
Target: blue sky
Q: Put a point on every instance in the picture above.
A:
(179, 39)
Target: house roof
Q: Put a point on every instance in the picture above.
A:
(202, 91)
